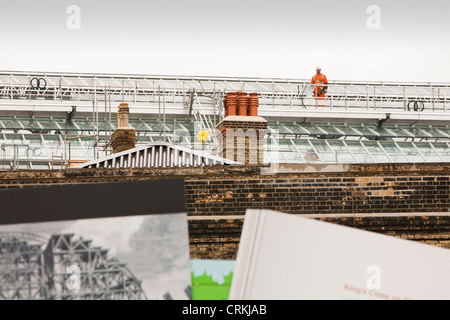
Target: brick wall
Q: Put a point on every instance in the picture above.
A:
(318, 194)
(214, 194)
(219, 238)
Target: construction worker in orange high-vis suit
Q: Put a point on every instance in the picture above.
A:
(319, 82)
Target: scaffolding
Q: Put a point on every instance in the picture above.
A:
(33, 267)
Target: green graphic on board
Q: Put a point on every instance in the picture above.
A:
(205, 288)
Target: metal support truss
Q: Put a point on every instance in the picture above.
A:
(32, 267)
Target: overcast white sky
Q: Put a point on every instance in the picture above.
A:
(283, 38)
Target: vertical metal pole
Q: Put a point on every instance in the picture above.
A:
(96, 117)
(445, 100)
(315, 98)
(28, 158)
(123, 91)
(273, 97)
(93, 124)
(93, 116)
(65, 149)
(184, 95)
(159, 111)
(374, 98)
(15, 157)
(404, 98)
(367, 90)
(345, 96)
(432, 97)
(98, 127)
(106, 121)
(109, 101)
(331, 94)
(216, 100)
(70, 156)
(164, 116)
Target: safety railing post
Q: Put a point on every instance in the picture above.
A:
(374, 98)
(331, 94)
(445, 100)
(432, 97)
(438, 95)
(404, 98)
(345, 97)
(367, 95)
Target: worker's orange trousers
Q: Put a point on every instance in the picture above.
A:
(321, 97)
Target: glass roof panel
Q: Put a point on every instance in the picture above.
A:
(14, 138)
(434, 132)
(312, 129)
(445, 130)
(84, 124)
(47, 123)
(443, 149)
(415, 131)
(428, 152)
(342, 153)
(395, 130)
(138, 125)
(346, 129)
(363, 130)
(324, 151)
(281, 128)
(29, 123)
(394, 153)
(287, 151)
(386, 133)
(296, 128)
(154, 125)
(64, 124)
(10, 123)
(307, 152)
(411, 153)
(329, 129)
(189, 125)
(358, 151)
(376, 152)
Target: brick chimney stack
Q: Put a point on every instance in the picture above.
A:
(124, 137)
(241, 133)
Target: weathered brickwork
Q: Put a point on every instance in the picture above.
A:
(123, 139)
(215, 239)
(221, 191)
(219, 239)
(335, 193)
(241, 138)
